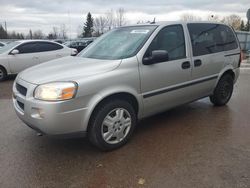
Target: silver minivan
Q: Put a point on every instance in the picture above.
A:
(125, 75)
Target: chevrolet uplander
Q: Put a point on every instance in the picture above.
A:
(125, 75)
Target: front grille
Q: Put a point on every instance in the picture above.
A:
(21, 105)
(21, 89)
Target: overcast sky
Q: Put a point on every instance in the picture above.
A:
(22, 15)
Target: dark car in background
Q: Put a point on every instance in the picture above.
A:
(60, 41)
(79, 44)
(2, 44)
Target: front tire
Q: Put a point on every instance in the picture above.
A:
(112, 124)
(3, 74)
(223, 91)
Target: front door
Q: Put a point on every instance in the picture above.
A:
(165, 84)
(26, 57)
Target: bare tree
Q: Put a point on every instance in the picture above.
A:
(110, 19)
(79, 31)
(55, 32)
(63, 31)
(120, 17)
(100, 25)
(116, 19)
(190, 17)
(38, 34)
(233, 20)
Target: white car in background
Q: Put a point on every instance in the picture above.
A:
(19, 55)
(2, 44)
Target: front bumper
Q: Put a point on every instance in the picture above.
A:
(50, 118)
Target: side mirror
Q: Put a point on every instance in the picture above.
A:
(158, 56)
(14, 52)
(74, 52)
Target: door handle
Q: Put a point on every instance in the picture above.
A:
(197, 62)
(35, 58)
(185, 65)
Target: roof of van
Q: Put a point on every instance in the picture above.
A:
(176, 22)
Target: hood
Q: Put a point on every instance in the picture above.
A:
(67, 69)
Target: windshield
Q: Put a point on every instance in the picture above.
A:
(8, 47)
(119, 43)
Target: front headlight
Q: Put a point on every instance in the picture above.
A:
(55, 91)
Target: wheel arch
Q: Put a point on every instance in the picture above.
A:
(5, 72)
(4, 68)
(230, 72)
(216, 98)
(124, 95)
(227, 70)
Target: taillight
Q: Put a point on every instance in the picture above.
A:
(241, 58)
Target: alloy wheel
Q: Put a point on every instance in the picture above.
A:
(116, 126)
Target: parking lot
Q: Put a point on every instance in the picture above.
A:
(195, 145)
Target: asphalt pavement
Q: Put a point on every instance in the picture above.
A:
(194, 145)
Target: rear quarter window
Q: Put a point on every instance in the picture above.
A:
(211, 38)
(229, 41)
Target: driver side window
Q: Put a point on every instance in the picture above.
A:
(171, 39)
(27, 48)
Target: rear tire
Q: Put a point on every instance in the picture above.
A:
(112, 124)
(223, 91)
(3, 74)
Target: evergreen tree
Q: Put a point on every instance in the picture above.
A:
(3, 33)
(30, 34)
(242, 26)
(88, 26)
(247, 28)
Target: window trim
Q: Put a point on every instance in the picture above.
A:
(185, 47)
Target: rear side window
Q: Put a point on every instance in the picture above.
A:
(211, 38)
(1, 44)
(47, 46)
(171, 39)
